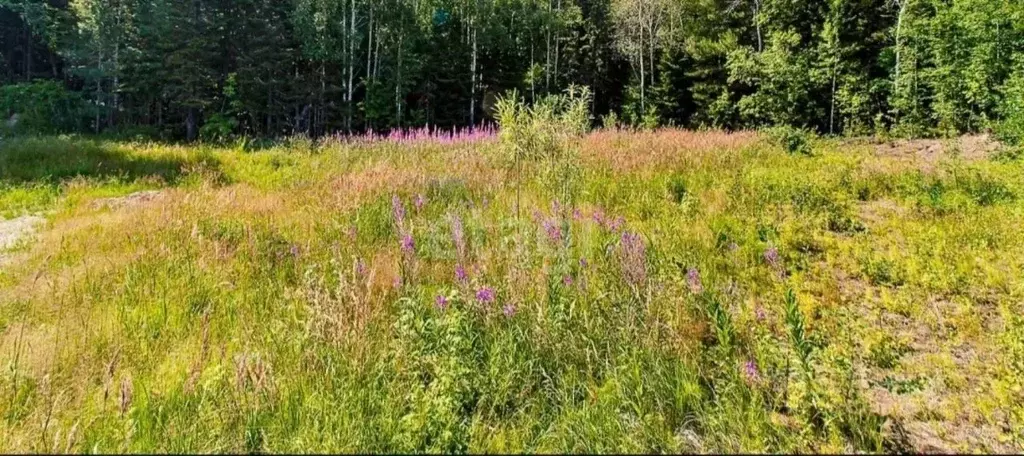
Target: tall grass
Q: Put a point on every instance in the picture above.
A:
(690, 292)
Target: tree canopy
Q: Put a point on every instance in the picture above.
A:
(186, 68)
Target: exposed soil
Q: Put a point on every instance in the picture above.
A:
(973, 147)
(14, 230)
(126, 201)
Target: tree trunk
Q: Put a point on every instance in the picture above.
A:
(351, 63)
(321, 117)
(369, 43)
(28, 52)
(190, 124)
(472, 84)
(533, 75)
(99, 91)
(554, 76)
(115, 89)
(270, 104)
(896, 75)
(398, 85)
(650, 46)
(547, 53)
(757, 25)
(832, 113)
(643, 105)
(899, 28)
(376, 57)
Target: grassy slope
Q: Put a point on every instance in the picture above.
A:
(261, 300)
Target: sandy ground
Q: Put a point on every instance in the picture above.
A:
(13, 230)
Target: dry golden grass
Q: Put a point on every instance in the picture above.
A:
(224, 312)
(650, 151)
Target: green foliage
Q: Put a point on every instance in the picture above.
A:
(544, 134)
(41, 107)
(984, 190)
(1011, 128)
(317, 67)
(219, 127)
(887, 352)
(610, 121)
(802, 347)
(257, 291)
(781, 81)
(792, 140)
(677, 188)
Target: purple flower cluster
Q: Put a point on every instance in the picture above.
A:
(607, 223)
(398, 211)
(616, 224)
(693, 280)
(460, 274)
(485, 295)
(536, 215)
(751, 372)
(441, 302)
(360, 268)
(509, 310)
(633, 255)
(553, 231)
(772, 257)
(408, 245)
(419, 202)
(760, 313)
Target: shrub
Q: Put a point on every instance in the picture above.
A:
(1011, 129)
(792, 140)
(543, 133)
(218, 127)
(42, 107)
(610, 121)
(983, 189)
(677, 188)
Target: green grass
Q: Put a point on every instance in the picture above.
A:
(262, 302)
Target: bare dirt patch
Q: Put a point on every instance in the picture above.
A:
(133, 199)
(972, 147)
(14, 230)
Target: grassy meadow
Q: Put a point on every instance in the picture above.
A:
(660, 291)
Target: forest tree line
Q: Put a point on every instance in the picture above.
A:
(193, 68)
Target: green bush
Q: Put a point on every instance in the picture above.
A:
(42, 107)
(677, 188)
(610, 121)
(1011, 129)
(545, 134)
(791, 139)
(218, 127)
